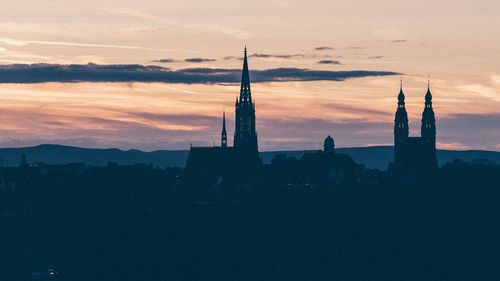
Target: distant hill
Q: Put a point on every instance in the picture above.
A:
(60, 154)
(372, 157)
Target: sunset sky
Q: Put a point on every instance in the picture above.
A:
(296, 49)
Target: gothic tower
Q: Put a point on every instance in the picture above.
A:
(223, 139)
(401, 130)
(428, 129)
(245, 135)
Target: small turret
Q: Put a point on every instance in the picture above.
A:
(329, 145)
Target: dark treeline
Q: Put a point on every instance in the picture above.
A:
(144, 223)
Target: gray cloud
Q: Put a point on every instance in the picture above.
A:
(232, 58)
(196, 60)
(166, 60)
(40, 73)
(328, 62)
(399, 41)
(259, 55)
(375, 57)
(278, 56)
(323, 48)
(286, 56)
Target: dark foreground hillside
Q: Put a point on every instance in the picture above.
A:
(139, 223)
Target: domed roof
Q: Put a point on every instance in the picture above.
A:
(329, 140)
(329, 145)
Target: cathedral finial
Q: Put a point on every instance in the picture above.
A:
(428, 95)
(401, 96)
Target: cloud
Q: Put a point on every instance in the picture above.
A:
(375, 57)
(40, 73)
(197, 120)
(166, 60)
(481, 90)
(196, 60)
(22, 43)
(192, 60)
(399, 41)
(232, 58)
(279, 56)
(468, 129)
(328, 62)
(260, 55)
(224, 29)
(323, 48)
(286, 56)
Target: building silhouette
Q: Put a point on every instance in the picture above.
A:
(245, 135)
(244, 155)
(415, 156)
(328, 167)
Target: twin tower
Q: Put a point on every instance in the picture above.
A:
(415, 156)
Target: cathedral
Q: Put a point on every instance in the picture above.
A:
(415, 156)
(244, 155)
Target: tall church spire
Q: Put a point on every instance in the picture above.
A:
(223, 140)
(245, 135)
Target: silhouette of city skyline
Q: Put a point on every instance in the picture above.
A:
(228, 215)
(414, 157)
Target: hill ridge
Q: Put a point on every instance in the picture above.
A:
(371, 156)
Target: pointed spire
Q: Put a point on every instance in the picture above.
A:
(401, 86)
(245, 92)
(401, 95)
(428, 95)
